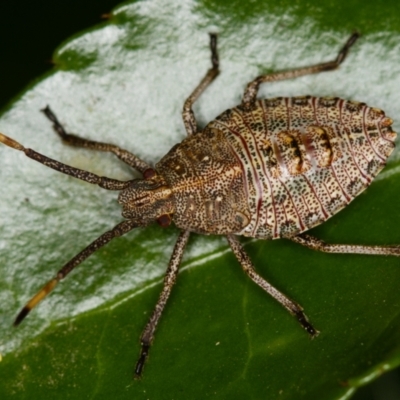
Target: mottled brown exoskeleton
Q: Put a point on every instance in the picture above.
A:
(270, 168)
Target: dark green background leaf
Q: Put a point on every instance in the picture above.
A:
(220, 336)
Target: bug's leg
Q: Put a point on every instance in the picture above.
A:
(250, 93)
(187, 114)
(169, 281)
(102, 181)
(119, 230)
(294, 308)
(73, 140)
(317, 244)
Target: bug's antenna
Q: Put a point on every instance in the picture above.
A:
(39, 296)
(119, 230)
(11, 142)
(102, 181)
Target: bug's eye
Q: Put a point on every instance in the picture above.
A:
(164, 220)
(149, 173)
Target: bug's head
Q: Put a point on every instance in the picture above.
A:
(147, 200)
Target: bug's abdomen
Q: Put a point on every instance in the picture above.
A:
(304, 158)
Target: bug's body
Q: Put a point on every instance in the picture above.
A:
(266, 168)
(278, 169)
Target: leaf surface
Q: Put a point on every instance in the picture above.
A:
(220, 336)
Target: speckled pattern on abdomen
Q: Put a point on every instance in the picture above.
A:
(304, 158)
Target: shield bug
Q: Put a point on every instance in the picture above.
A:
(269, 168)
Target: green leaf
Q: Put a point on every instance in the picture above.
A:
(220, 336)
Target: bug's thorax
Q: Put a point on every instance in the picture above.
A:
(145, 200)
(206, 180)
